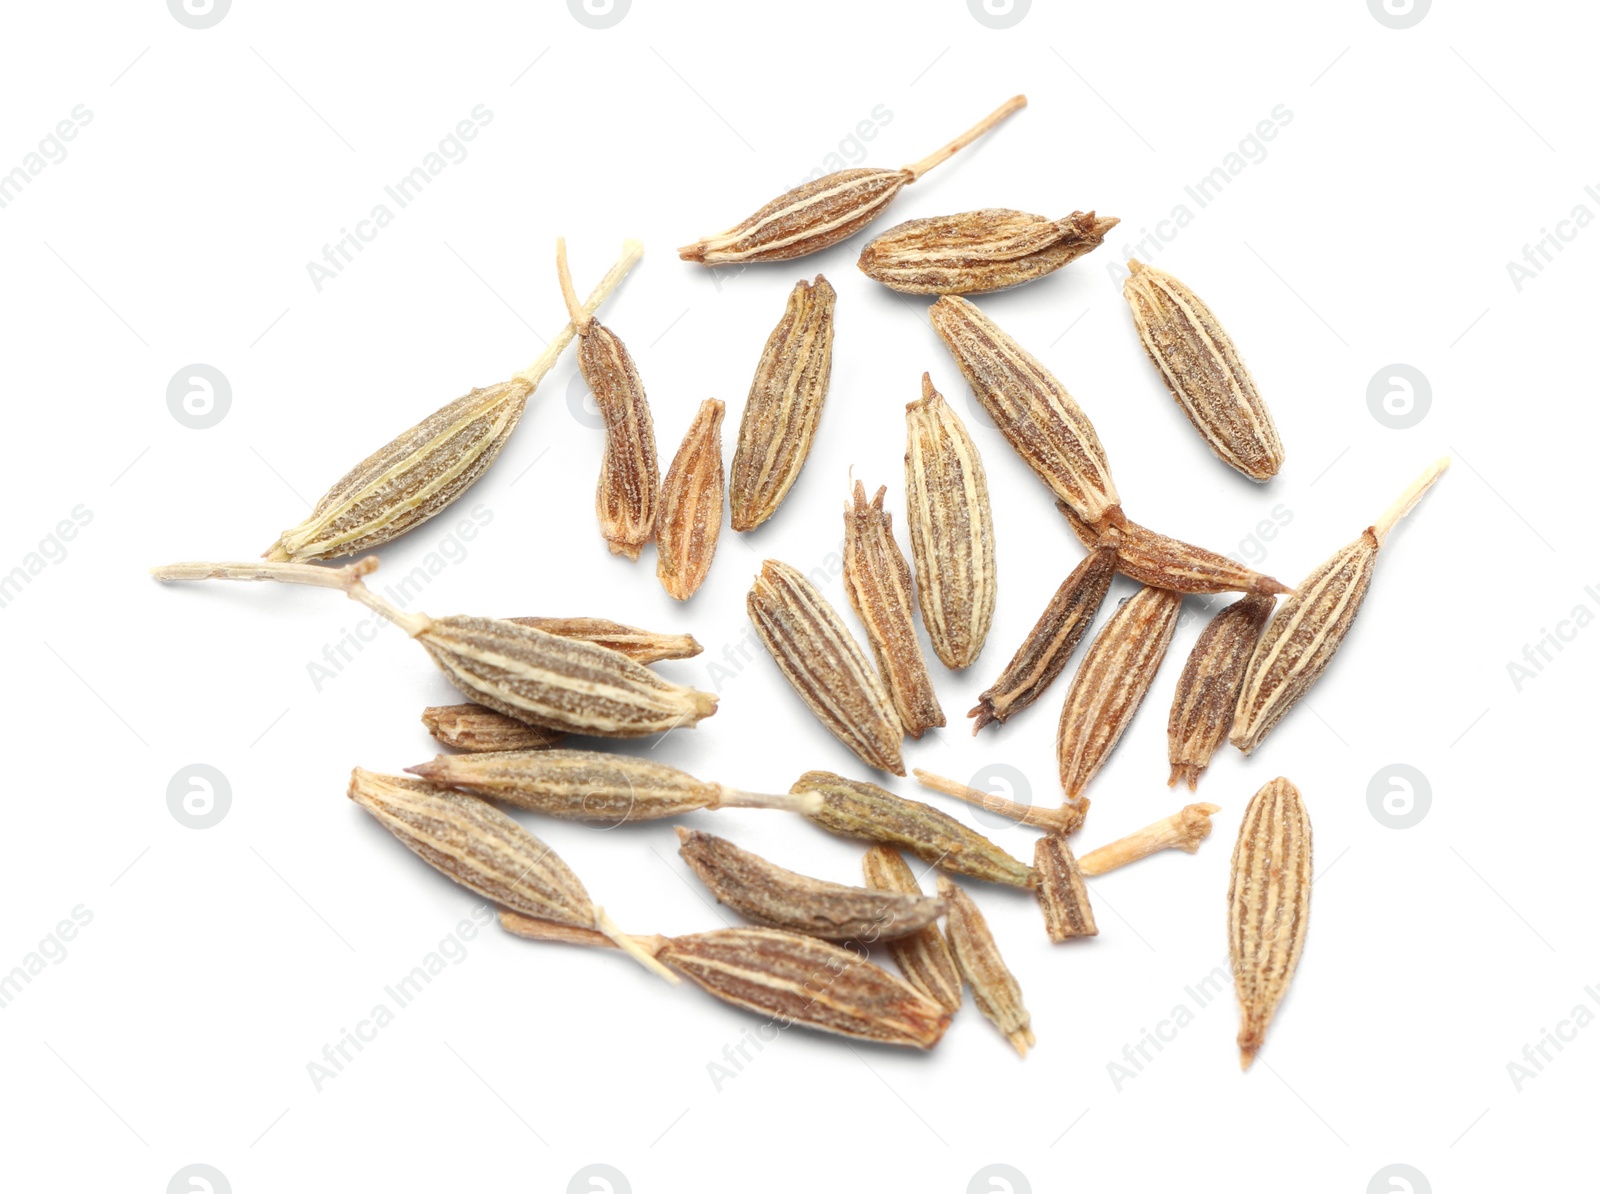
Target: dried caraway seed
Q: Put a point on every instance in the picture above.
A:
(1063, 896)
(951, 527)
(786, 396)
(1112, 680)
(534, 676)
(477, 727)
(924, 956)
(1269, 906)
(641, 646)
(1202, 368)
(866, 812)
(975, 251)
(1307, 629)
(877, 580)
(421, 471)
(1050, 643)
(823, 212)
(485, 851)
(1183, 830)
(1164, 562)
(1064, 820)
(994, 987)
(1208, 689)
(630, 479)
(1031, 408)
(690, 517)
(770, 895)
(816, 654)
(591, 785)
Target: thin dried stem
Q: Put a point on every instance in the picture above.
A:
(1407, 500)
(804, 803)
(581, 319)
(347, 578)
(632, 250)
(1184, 830)
(917, 169)
(645, 957)
(1064, 820)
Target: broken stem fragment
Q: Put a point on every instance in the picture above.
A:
(1064, 820)
(1184, 830)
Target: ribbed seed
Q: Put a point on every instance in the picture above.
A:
(1111, 682)
(771, 895)
(1208, 689)
(994, 987)
(866, 812)
(1202, 368)
(1269, 906)
(477, 727)
(951, 528)
(424, 469)
(591, 785)
(630, 479)
(641, 646)
(822, 663)
(924, 956)
(877, 580)
(1308, 628)
(1050, 643)
(976, 251)
(690, 517)
(1164, 562)
(1062, 894)
(1030, 407)
(825, 211)
(485, 851)
(786, 396)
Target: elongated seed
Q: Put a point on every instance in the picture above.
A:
(976, 251)
(641, 646)
(1111, 683)
(478, 727)
(690, 518)
(951, 527)
(924, 956)
(877, 580)
(994, 987)
(1183, 830)
(1164, 562)
(1062, 895)
(1208, 689)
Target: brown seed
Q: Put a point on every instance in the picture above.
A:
(824, 666)
(868, 813)
(785, 402)
(690, 517)
(1030, 407)
(1050, 643)
(1269, 906)
(951, 528)
(1111, 682)
(1184, 830)
(1064, 820)
(641, 646)
(477, 727)
(630, 479)
(924, 956)
(825, 211)
(1202, 368)
(877, 580)
(994, 987)
(1308, 628)
(1166, 563)
(1208, 690)
(1063, 896)
(976, 251)
(771, 895)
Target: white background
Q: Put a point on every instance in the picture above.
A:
(219, 962)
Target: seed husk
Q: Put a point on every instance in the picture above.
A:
(1269, 906)
(630, 478)
(1064, 820)
(1063, 896)
(1031, 408)
(825, 211)
(822, 663)
(779, 898)
(592, 785)
(976, 251)
(641, 646)
(924, 956)
(867, 812)
(877, 580)
(1050, 643)
(786, 396)
(1111, 682)
(1198, 361)
(1164, 562)
(479, 728)
(1183, 830)
(951, 528)
(690, 517)
(1308, 628)
(540, 678)
(1208, 689)
(422, 470)
(994, 987)
(478, 846)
